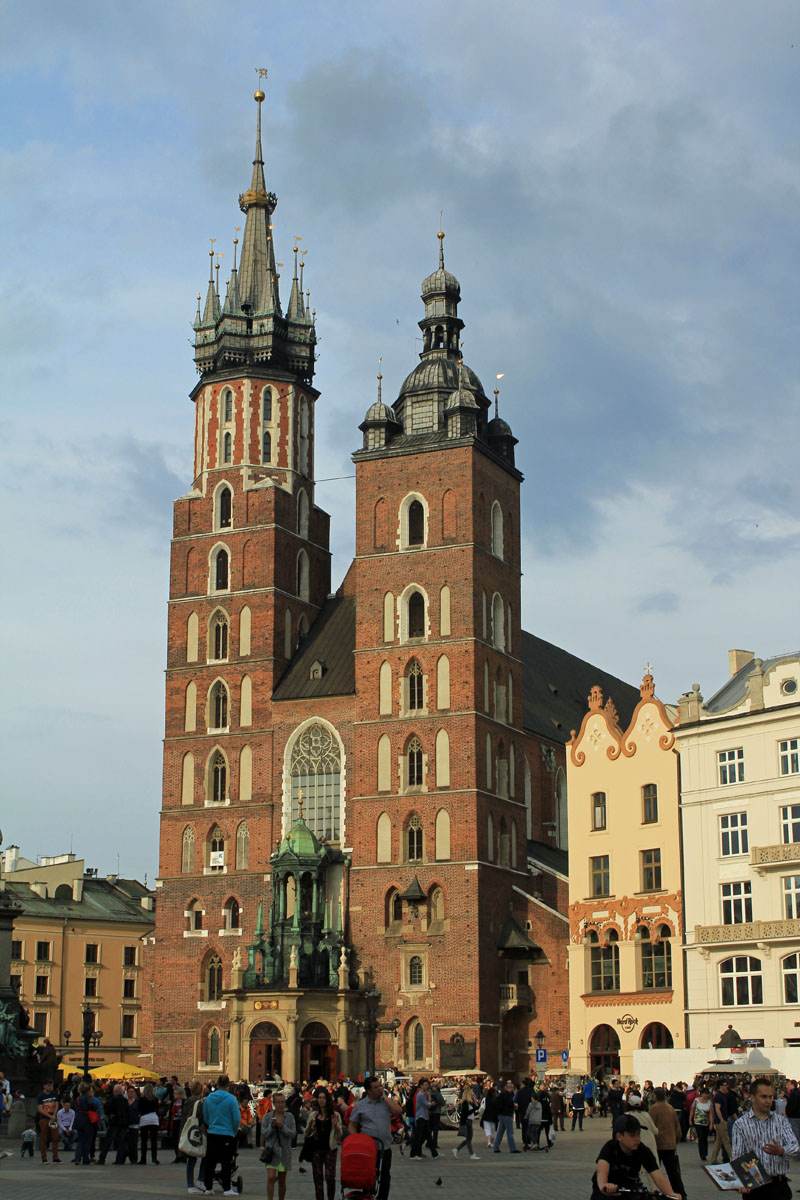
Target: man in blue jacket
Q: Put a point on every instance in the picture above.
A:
(221, 1117)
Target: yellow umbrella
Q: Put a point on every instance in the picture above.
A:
(123, 1070)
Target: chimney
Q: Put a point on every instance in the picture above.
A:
(40, 888)
(738, 659)
(77, 890)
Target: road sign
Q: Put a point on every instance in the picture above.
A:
(565, 1057)
(541, 1056)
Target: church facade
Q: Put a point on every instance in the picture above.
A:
(363, 828)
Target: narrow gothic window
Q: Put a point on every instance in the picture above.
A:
(219, 778)
(397, 907)
(416, 524)
(418, 1042)
(302, 575)
(315, 769)
(242, 847)
(218, 710)
(414, 685)
(227, 448)
(224, 502)
(221, 571)
(266, 447)
(187, 851)
(228, 407)
(414, 835)
(416, 615)
(216, 850)
(415, 971)
(232, 914)
(266, 410)
(415, 763)
(213, 1047)
(220, 636)
(214, 979)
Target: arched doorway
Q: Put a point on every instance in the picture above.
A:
(604, 1052)
(656, 1037)
(318, 1057)
(266, 1054)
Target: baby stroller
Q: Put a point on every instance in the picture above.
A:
(360, 1167)
(236, 1179)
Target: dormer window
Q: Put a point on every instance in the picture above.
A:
(317, 669)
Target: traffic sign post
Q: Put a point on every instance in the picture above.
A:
(565, 1057)
(541, 1057)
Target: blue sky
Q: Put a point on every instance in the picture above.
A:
(620, 192)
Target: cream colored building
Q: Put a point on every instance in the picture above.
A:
(626, 923)
(78, 943)
(740, 774)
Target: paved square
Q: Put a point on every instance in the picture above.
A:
(564, 1174)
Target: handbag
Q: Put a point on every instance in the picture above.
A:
(462, 1130)
(192, 1141)
(93, 1115)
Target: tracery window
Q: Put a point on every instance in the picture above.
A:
(218, 706)
(315, 769)
(187, 851)
(214, 978)
(414, 676)
(216, 850)
(218, 779)
(220, 633)
(414, 839)
(414, 754)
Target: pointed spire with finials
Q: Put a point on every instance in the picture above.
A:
(251, 330)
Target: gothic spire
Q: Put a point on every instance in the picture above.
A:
(295, 310)
(258, 283)
(211, 310)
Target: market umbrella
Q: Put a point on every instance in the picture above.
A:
(461, 1073)
(123, 1070)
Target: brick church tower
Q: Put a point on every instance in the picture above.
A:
(363, 826)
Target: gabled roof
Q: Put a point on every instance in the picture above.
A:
(513, 937)
(555, 687)
(331, 641)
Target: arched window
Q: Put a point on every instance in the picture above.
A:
(302, 514)
(416, 1042)
(218, 706)
(187, 851)
(213, 1048)
(192, 626)
(443, 760)
(227, 448)
(220, 571)
(245, 629)
(656, 957)
(414, 839)
(561, 806)
(194, 916)
(384, 763)
(214, 978)
(230, 914)
(604, 961)
(190, 708)
(656, 1036)
(442, 835)
(414, 683)
(242, 847)
(488, 761)
(218, 778)
(393, 914)
(227, 406)
(266, 404)
(498, 627)
(414, 761)
(436, 907)
(497, 530)
(740, 980)
(790, 969)
(490, 838)
(216, 850)
(224, 508)
(444, 611)
(302, 628)
(415, 971)
(604, 1052)
(416, 524)
(416, 615)
(384, 838)
(388, 617)
(302, 575)
(443, 682)
(499, 697)
(187, 779)
(266, 446)
(219, 637)
(315, 769)
(385, 689)
(246, 701)
(503, 844)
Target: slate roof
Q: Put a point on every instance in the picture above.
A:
(101, 901)
(549, 857)
(734, 690)
(332, 640)
(556, 686)
(513, 937)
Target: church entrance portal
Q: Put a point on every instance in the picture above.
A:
(319, 1059)
(265, 1052)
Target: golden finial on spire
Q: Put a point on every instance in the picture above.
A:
(380, 377)
(258, 94)
(300, 806)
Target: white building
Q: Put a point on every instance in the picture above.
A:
(740, 811)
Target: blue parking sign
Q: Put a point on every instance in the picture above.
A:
(541, 1056)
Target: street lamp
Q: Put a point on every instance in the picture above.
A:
(539, 1039)
(91, 1037)
(371, 1026)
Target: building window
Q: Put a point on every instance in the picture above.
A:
(90, 986)
(416, 524)
(393, 914)
(42, 985)
(416, 615)
(414, 678)
(227, 406)
(91, 952)
(600, 875)
(128, 1025)
(651, 870)
(220, 637)
(227, 448)
(16, 948)
(315, 769)
(231, 915)
(218, 706)
(741, 981)
(656, 958)
(649, 803)
(214, 979)
(791, 897)
(789, 752)
(731, 766)
(129, 956)
(737, 903)
(16, 984)
(302, 576)
(218, 778)
(216, 850)
(221, 571)
(416, 1042)
(414, 757)
(266, 446)
(43, 952)
(194, 916)
(213, 1047)
(733, 834)
(599, 810)
(497, 530)
(187, 852)
(414, 839)
(790, 969)
(790, 824)
(129, 989)
(604, 961)
(266, 415)
(224, 508)
(415, 971)
(40, 1023)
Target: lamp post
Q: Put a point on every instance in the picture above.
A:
(91, 1037)
(372, 1026)
(541, 1069)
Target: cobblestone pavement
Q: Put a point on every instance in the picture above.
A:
(564, 1174)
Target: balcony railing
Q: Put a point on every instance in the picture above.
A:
(513, 994)
(747, 931)
(775, 856)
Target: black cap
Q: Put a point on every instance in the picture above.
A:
(626, 1123)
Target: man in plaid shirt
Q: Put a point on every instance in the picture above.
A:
(769, 1135)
